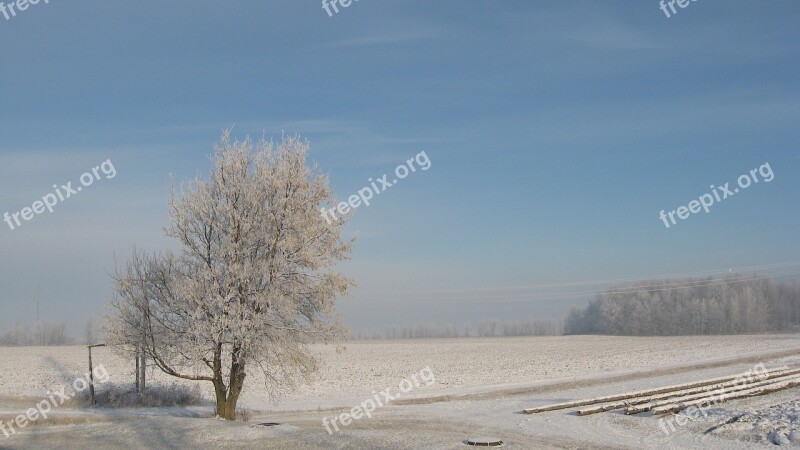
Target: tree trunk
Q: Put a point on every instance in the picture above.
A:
(237, 376)
(230, 406)
(143, 369)
(138, 384)
(219, 390)
(219, 383)
(228, 397)
(226, 401)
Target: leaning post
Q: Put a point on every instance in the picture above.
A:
(91, 372)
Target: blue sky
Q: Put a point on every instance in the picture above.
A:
(557, 131)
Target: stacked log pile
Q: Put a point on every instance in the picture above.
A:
(675, 398)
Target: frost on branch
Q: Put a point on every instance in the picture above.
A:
(252, 284)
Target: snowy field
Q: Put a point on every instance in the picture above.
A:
(480, 387)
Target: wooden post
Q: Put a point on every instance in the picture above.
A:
(91, 373)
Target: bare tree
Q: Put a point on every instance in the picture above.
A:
(252, 285)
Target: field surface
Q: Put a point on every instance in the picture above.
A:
(480, 387)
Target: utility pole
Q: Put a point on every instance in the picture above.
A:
(91, 372)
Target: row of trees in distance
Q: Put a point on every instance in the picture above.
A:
(41, 333)
(732, 305)
(484, 328)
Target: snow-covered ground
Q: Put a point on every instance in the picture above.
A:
(481, 387)
(779, 424)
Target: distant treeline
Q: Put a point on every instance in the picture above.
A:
(484, 328)
(41, 333)
(732, 305)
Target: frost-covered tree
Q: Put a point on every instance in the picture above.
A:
(253, 283)
(733, 304)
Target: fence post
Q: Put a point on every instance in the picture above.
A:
(91, 373)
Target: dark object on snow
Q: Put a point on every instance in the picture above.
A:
(484, 442)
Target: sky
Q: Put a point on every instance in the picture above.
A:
(556, 131)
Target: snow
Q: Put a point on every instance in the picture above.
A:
(778, 424)
(539, 371)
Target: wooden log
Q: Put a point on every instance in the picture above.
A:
(611, 398)
(712, 392)
(629, 403)
(763, 390)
